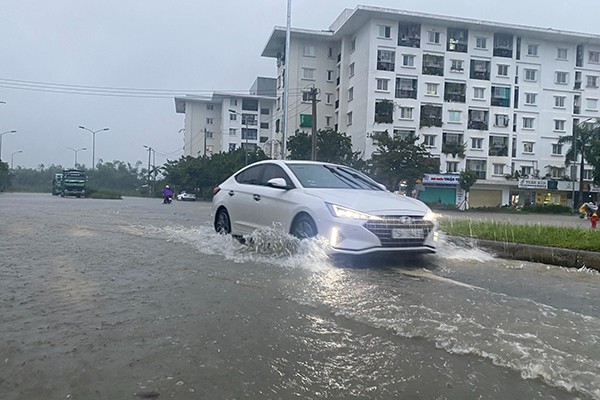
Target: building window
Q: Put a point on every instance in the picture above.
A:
(406, 88)
(382, 84)
(530, 98)
(481, 43)
(455, 92)
(528, 122)
(556, 149)
(209, 135)
(502, 70)
(233, 102)
(433, 37)
(562, 78)
(232, 117)
(480, 69)
(265, 111)
(527, 147)
(433, 64)
(264, 125)
(308, 73)
(330, 75)
(591, 104)
(210, 107)
(329, 98)
(232, 146)
(559, 125)
(500, 96)
(249, 119)
(306, 96)
(457, 65)
(386, 60)
(559, 101)
(429, 140)
(232, 131)
(384, 111)
(532, 50)
(530, 75)
(328, 121)
(308, 50)
(408, 60)
(352, 44)
(477, 143)
(594, 57)
(501, 120)
(351, 70)
(526, 171)
(351, 94)
(432, 89)
(592, 81)
(498, 169)
(451, 166)
(454, 116)
(561, 53)
(406, 113)
(479, 93)
(588, 174)
(385, 31)
(349, 118)
(210, 121)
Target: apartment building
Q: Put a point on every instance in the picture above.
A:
(222, 122)
(488, 97)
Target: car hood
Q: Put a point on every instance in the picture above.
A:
(371, 201)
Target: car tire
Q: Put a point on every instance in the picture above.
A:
(303, 227)
(223, 222)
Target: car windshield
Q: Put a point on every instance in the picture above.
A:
(332, 176)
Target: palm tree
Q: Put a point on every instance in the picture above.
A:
(582, 141)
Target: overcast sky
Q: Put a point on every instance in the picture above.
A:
(155, 48)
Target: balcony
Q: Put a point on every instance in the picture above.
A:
(478, 125)
(503, 52)
(432, 70)
(479, 174)
(337, 81)
(429, 120)
(481, 75)
(337, 104)
(410, 42)
(455, 97)
(406, 94)
(500, 102)
(576, 110)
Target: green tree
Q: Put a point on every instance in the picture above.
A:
(401, 158)
(332, 146)
(4, 177)
(466, 180)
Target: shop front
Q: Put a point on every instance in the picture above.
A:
(439, 189)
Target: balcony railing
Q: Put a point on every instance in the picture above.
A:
(481, 75)
(479, 174)
(500, 102)
(502, 52)
(406, 94)
(455, 97)
(478, 125)
(429, 70)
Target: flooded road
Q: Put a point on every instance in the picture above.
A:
(105, 299)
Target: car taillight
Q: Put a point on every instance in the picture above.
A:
(216, 190)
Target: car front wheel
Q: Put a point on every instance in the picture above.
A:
(303, 227)
(222, 222)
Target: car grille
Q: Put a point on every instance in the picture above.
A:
(400, 231)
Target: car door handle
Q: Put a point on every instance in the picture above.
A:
(256, 197)
(231, 193)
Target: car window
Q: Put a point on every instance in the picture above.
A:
(331, 176)
(275, 171)
(250, 176)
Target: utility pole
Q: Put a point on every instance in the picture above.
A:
(313, 97)
(205, 133)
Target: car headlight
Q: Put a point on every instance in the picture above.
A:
(343, 212)
(430, 216)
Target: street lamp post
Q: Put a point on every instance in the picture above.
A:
(2, 134)
(245, 122)
(93, 143)
(76, 151)
(12, 158)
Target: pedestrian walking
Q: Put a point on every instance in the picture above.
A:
(594, 220)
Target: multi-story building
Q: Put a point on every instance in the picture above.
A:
(223, 122)
(488, 97)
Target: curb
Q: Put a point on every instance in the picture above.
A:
(549, 255)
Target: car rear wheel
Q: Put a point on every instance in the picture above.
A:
(222, 222)
(303, 227)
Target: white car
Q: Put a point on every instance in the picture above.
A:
(307, 198)
(185, 196)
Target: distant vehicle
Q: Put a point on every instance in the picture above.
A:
(57, 184)
(74, 183)
(354, 213)
(185, 196)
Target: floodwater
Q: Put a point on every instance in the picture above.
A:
(126, 299)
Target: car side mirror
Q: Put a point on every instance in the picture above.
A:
(278, 183)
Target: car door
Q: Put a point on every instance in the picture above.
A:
(275, 206)
(241, 204)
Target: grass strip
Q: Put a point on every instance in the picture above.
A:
(552, 236)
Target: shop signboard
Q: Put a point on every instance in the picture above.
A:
(441, 179)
